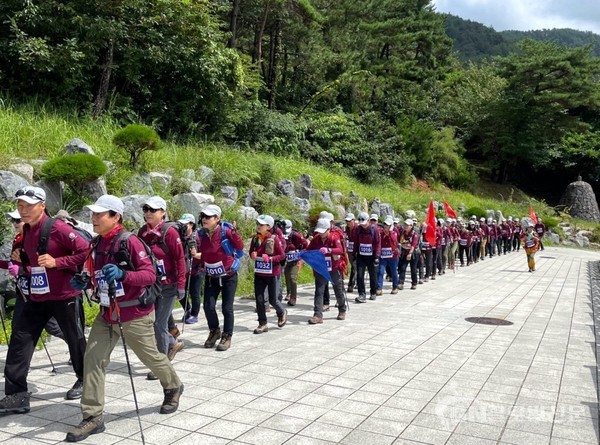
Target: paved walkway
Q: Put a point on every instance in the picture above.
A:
(405, 369)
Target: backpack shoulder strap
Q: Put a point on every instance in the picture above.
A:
(45, 235)
(163, 234)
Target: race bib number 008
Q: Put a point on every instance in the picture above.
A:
(39, 281)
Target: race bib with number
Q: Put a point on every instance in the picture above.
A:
(102, 288)
(328, 263)
(215, 269)
(350, 246)
(161, 268)
(24, 285)
(463, 242)
(425, 244)
(263, 267)
(39, 281)
(530, 243)
(444, 241)
(387, 252)
(366, 249)
(539, 230)
(292, 256)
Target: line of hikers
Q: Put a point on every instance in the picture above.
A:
(136, 279)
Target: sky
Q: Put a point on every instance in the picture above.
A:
(525, 15)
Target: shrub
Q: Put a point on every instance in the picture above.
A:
(136, 139)
(477, 211)
(74, 169)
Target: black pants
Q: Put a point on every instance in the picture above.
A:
(403, 264)
(226, 286)
(27, 330)
(461, 254)
(516, 245)
(352, 277)
(51, 327)
(428, 260)
(266, 290)
(321, 286)
(364, 263)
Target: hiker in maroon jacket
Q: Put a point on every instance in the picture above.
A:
(267, 253)
(171, 262)
(389, 255)
(43, 278)
(517, 231)
(441, 248)
(349, 231)
(540, 230)
(464, 245)
(295, 243)
(409, 243)
(367, 250)
(331, 247)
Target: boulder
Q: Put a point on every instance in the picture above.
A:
(249, 198)
(248, 213)
(580, 201)
(286, 188)
(230, 192)
(77, 146)
(499, 216)
(139, 184)
(94, 189)
(303, 192)
(375, 208)
(302, 204)
(325, 197)
(193, 202)
(491, 214)
(339, 212)
(206, 175)
(552, 237)
(196, 187)
(133, 208)
(54, 194)
(9, 184)
(227, 203)
(337, 197)
(25, 171)
(160, 181)
(385, 210)
(410, 214)
(582, 241)
(304, 180)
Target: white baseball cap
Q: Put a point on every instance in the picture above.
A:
(374, 216)
(362, 218)
(31, 194)
(211, 210)
(266, 219)
(106, 203)
(326, 215)
(350, 216)
(13, 215)
(156, 202)
(408, 222)
(323, 225)
(187, 218)
(389, 221)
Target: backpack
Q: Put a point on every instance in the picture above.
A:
(45, 234)
(181, 230)
(226, 244)
(122, 258)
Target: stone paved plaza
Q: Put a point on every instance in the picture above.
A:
(405, 369)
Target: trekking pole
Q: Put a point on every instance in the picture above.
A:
(187, 291)
(53, 371)
(3, 325)
(112, 290)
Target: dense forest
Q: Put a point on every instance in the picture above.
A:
(373, 88)
(473, 41)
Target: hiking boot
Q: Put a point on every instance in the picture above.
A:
(262, 328)
(373, 297)
(413, 287)
(292, 301)
(213, 337)
(175, 332)
(287, 298)
(91, 425)
(379, 292)
(315, 320)
(360, 299)
(426, 280)
(394, 291)
(433, 277)
(75, 392)
(178, 346)
(171, 401)
(420, 281)
(151, 376)
(325, 307)
(341, 315)
(17, 403)
(350, 289)
(282, 319)
(225, 343)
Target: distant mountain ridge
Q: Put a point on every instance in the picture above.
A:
(474, 41)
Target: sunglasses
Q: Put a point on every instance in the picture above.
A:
(29, 193)
(147, 209)
(16, 221)
(203, 216)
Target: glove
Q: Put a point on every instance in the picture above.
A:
(77, 284)
(181, 294)
(266, 258)
(13, 270)
(376, 261)
(112, 273)
(324, 250)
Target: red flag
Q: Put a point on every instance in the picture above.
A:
(430, 233)
(449, 212)
(532, 215)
